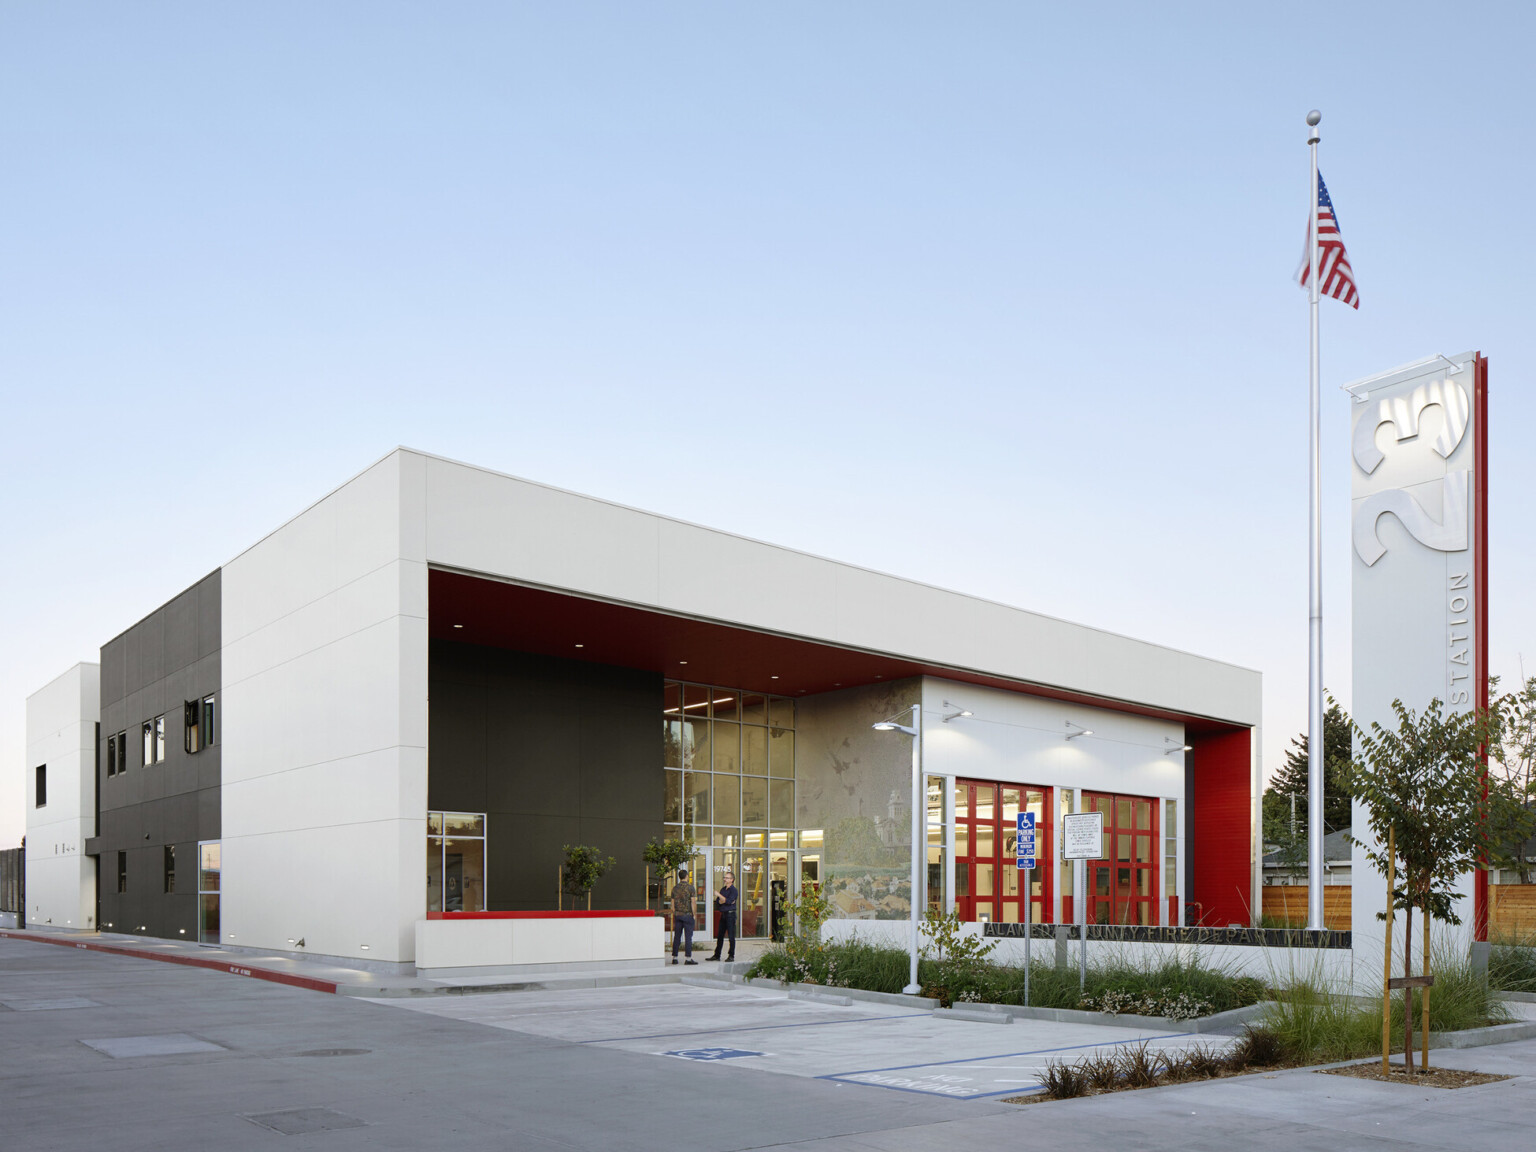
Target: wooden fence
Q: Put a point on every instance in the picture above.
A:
(1287, 904)
(1511, 910)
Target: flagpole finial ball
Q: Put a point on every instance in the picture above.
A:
(1313, 118)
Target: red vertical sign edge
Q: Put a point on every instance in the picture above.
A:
(1480, 566)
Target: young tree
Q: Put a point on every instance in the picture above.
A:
(665, 857)
(1422, 786)
(1511, 819)
(584, 867)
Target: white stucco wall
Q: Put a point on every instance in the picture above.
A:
(61, 733)
(325, 725)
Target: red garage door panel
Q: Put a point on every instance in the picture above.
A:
(1221, 829)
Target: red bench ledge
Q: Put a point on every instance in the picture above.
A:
(601, 914)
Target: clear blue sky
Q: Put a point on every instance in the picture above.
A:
(995, 296)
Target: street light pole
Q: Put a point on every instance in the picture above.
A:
(919, 840)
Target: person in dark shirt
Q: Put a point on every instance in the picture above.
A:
(725, 900)
(682, 915)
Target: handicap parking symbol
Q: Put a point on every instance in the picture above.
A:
(711, 1053)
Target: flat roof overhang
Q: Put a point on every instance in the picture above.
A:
(486, 610)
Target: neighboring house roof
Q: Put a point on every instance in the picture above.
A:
(1336, 850)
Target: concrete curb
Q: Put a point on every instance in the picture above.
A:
(994, 1014)
(1482, 1037)
(898, 999)
(1517, 997)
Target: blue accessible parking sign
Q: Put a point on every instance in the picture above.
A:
(1026, 841)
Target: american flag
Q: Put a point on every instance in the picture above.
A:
(1335, 277)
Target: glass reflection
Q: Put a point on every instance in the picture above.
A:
(754, 801)
(754, 751)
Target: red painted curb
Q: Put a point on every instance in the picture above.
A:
(267, 974)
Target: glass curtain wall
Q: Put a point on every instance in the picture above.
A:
(730, 785)
(455, 861)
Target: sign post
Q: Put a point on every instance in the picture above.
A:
(1024, 850)
(1082, 838)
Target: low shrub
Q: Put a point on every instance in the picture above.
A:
(1102, 1071)
(1062, 1080)
(1204, 1061)
(1182, 986)
(1259, 1047)
(1139, 1066)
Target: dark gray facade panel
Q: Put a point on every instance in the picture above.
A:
(153, 669)
(555, 752)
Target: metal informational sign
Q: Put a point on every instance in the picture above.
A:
(1082, 836)
(1024, 845)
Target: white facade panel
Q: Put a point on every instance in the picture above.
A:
(61, 735)
(485, 522)
(325, 716)
(1022, 740)
(482, 521)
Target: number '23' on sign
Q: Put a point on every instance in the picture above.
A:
(1025, 844)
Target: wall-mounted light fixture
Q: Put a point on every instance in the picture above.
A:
(958, 712)
(1076, 730)
(1173, 746)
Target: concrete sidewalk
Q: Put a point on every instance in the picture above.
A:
(324, 976)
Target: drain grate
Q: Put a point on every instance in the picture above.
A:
(298, 1121)
(48, 1005)
(337, 1052)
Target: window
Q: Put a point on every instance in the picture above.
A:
(197, 724)
(988, 882)
(42, 785)
(117, 753)
(1171, 858)
(170, 868)
(154, 740)
(122, 871)
(455, 862)
(208, 872)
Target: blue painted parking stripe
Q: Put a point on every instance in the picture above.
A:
(1008, 1055)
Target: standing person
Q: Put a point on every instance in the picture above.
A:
(682, 921)
(725, 900)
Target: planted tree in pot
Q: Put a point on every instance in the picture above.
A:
(584, 867)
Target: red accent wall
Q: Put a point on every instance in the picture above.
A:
(1220, 833)
(1480, 605)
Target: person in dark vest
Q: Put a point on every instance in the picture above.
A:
(725, 900)
(682, 915)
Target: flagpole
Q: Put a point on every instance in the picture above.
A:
(1315, 738)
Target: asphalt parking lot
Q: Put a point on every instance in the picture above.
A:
(99, 1050)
